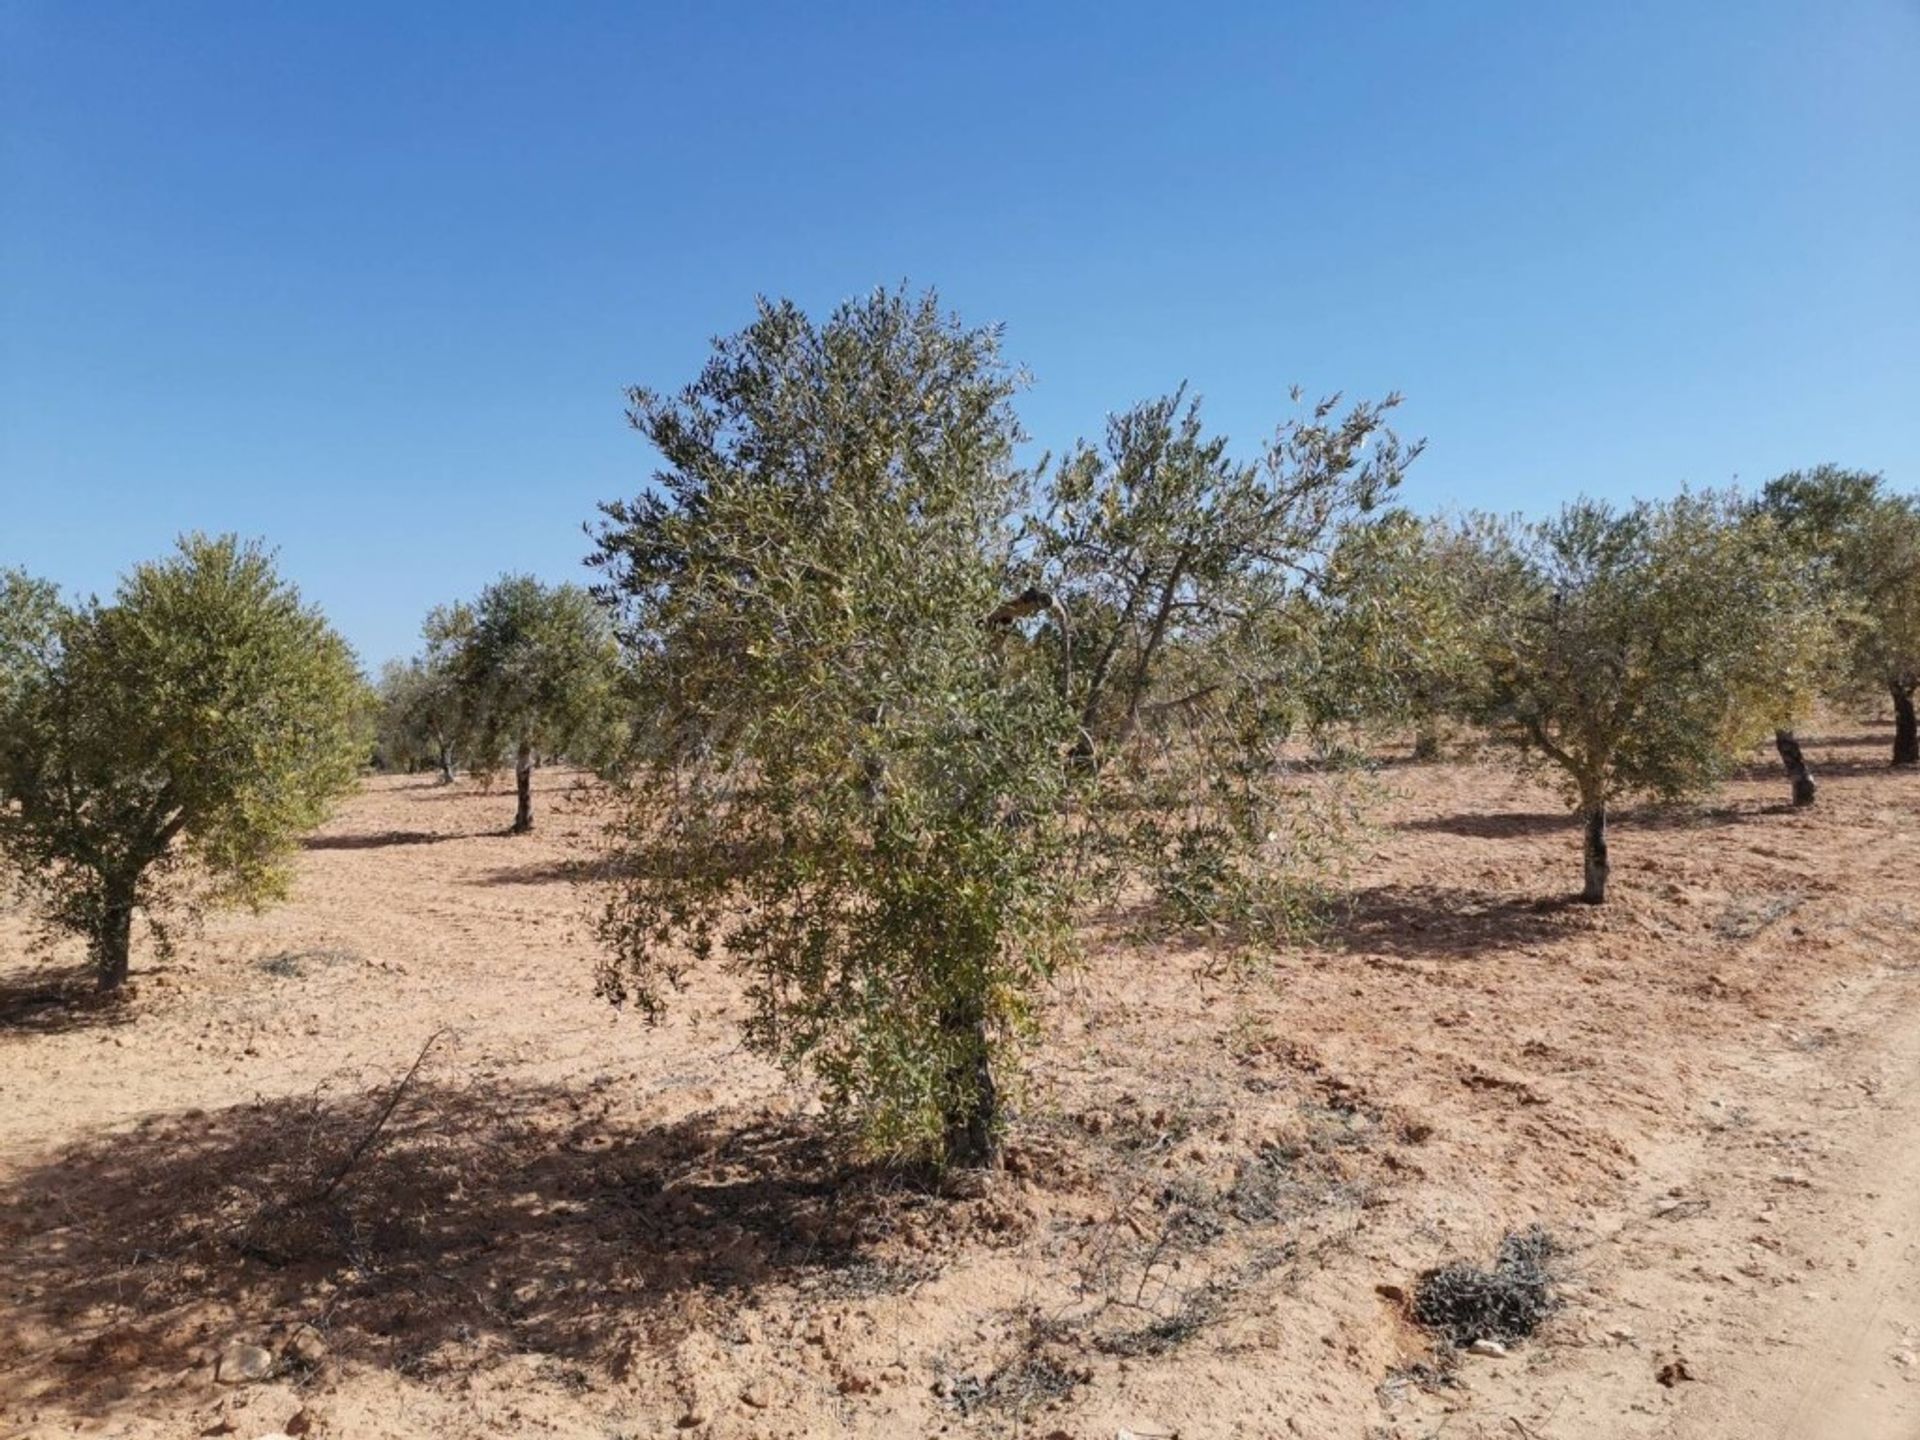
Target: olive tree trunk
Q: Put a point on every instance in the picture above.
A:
(523, 782)
(1906, 738)
(112, 943)
(1595, 892)
(446, 764)
(1795, 764)
(972, 1122)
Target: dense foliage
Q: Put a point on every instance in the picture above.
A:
(1180, 577)
(166, 750)
(852, 787)
(1861, 543)
(896, 731)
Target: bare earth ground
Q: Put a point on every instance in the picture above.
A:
(577, 1225)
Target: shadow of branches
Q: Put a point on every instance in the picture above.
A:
(485, 1216)
(55, 1001)
(1514, 825)
(1438, 921)
(378, 840)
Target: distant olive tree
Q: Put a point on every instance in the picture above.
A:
(1844, 526)
(1644, 650)
(536, 671)
(1879, 558)
(422, 706)
(852, 786)
(164, 752)
(1396, 621)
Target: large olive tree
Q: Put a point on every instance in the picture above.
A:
(850, 784)
(1643, 651)
(164, 751)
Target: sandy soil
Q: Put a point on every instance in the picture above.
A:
(1223, 1173)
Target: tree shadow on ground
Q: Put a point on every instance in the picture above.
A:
(379, 840)
(1515, 825)
(58, 1000)
(1855, 764)
(547, 872)
(483, 1219)
(1443, 922)
(1854, 740)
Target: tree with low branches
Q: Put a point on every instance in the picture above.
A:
(851, 786)
(897, 734)
(1644, 650)
(536, 671)
(164, 752)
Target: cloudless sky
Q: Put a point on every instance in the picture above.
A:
(369, 280)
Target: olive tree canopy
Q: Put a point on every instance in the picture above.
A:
(534, 670)
(1645, 650)
(165, 751)
(851, 786)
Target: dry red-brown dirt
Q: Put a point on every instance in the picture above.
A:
(1224, 1170)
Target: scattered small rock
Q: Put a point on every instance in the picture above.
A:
(239, 1363)
(1673, 1372)
(1492, 1349)
(305, 1347)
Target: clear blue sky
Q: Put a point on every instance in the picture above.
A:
(369, 279)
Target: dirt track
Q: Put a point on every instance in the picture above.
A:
(578, 1225)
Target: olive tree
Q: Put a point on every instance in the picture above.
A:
(1178, 576)
(535, 671)
(1856, 540)
(422, 706)
(1880, 559)
(1396, 619)
(164, 751)
(852, 786)
(1643, 651)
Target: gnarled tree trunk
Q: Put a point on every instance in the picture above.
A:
(446, 764)
(1906, 737)
(523, 782)
(1595, 892)
(1795, 764)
